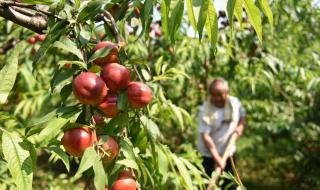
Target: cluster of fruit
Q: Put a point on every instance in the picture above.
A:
(37, 37)
(102, 92)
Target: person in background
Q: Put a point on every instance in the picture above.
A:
(219, 117)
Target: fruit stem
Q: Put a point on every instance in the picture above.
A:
(137, 72)
(108, 19)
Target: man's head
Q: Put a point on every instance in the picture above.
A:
(218, 92)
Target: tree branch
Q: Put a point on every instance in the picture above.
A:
(35, 23)
(10, 44)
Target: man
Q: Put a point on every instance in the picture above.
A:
(219, 117)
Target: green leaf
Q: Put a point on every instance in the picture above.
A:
(128, 163)
(264, 5)
(8, 74)
(254, 17)
(175, 19)
(158, 65)
(47, 117)
(148, 10)
(87, 160)
(77, 3)
(61, 155)
(183, 171)
(99, 175)
(122, 103)
(90, 10)
(145, 75)
(61, 79)
(239, 11)
(51, 130)
(100, 53)
(176, 111)
(120, 120)
(212, 25)
(53, 35)
(163, 162)
(79, 63)
(84, 36)
(20, 164)
(127, 149)
(193, 170)
(230, 10)
(191, 15)
(69, 46)
(202, 16)
(151, 127)
(164, 11)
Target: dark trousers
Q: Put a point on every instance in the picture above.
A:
(209, 163)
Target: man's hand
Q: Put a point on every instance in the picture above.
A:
(219, 163)
(239, 130)
(240, 127)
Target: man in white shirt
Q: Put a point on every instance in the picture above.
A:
(219, 117)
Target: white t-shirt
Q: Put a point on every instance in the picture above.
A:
(219, 132)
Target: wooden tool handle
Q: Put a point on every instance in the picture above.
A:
(224, 158)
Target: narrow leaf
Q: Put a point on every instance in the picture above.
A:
(128, 163)
(191, 15)
(202, 17)
(151, 127)
(69, 46)
(175, 19)
(164, 11)
(148, 10)
(99, 175)
(100, 53)
(230, 10)
(53, 35)
(8, 74)
(254, 17)
(183, 171)
(87, 160)
(51, 130)
(19, 161)
(239, 11)
(61, 155)
(267, 11)
(178, 114)
(212, 25)
(122, 100)
(90, 10)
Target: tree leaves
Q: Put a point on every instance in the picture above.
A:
(212, 25)
(8, 74)
(264, 5)
(254, 17)
(89, 10)
(57, 30)
(151, 127)
(99, 175)
(51, 130)
(20, 163)
(191, 15)
(164, 11)
(67, 45)
(230, 10)
(202, 16)
(175, 19)
(87, 160)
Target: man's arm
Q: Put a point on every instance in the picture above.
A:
(212, 149)
(240, 127)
